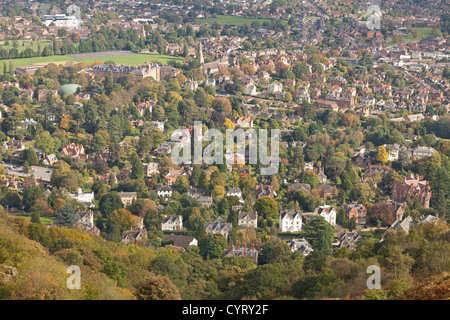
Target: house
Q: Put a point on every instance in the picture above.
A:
(151, 169)
(205, 201)
(32, 181)
(181, 241)
(306, 188)
(196, 192)
(85, 218)
(134, 236)
(219, 226)
(325, 190)
(50, 160)
(347, 239)
(412, 188)
(164, 191)
(86, 197)
(14, 144)
(327, 212)
(127, 198)
(248, 219)
(399, 225)
(73, 150)
(235, 192)
(291, 221)
(300, 245)
(172, 222)
(355, 210)
(264, 190)
(173, 175)
(239, 251)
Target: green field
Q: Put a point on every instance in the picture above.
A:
(231, 20)
(24, 44)
(132, 59)
(421, 33)
(44, 220)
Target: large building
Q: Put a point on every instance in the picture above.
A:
(412, 188)
(146, 70)
(62, 21)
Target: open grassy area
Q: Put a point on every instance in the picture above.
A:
(231, 20)
(44, 220)
(24, 44)
(131, 59)
(421, 33)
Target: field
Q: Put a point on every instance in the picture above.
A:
(24, 44)
(231, 20)
(421, 33)
(131, 59)
(44, 220)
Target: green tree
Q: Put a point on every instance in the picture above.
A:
(65, 216)
(267, 207)
(319, 233)
(212, 245)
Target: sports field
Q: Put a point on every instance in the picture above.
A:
(231, 20)
(131, 59)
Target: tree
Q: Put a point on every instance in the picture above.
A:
(116, 272)
(110, 202)
(122, 218)
(273, 251)
(319, 233)
(30, 156)
(45, 142)
(310, 177)
(137, 169)
(157, 287)
(265, 282)
(267, 207)
(65, 216)
(212, 245)
(30, 195)
(182, 184)
(35, 218)
(382, 156)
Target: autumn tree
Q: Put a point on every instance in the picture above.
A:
(382, 155)
(157, 287)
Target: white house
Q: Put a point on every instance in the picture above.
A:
(164, 191)
(172, 222)
(328, 213)
(235, 192)
(291, 221)
(275, 87)
(85, 197)
(248, 219)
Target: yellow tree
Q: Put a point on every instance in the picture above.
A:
(382, 155)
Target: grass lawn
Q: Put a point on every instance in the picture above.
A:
(44, 220)
(24, 44)
(132, 59)
(231, 20)
(421, 33)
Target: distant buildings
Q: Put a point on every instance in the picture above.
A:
(248, 219)
(146, 70)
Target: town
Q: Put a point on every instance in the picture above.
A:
(107, 108)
